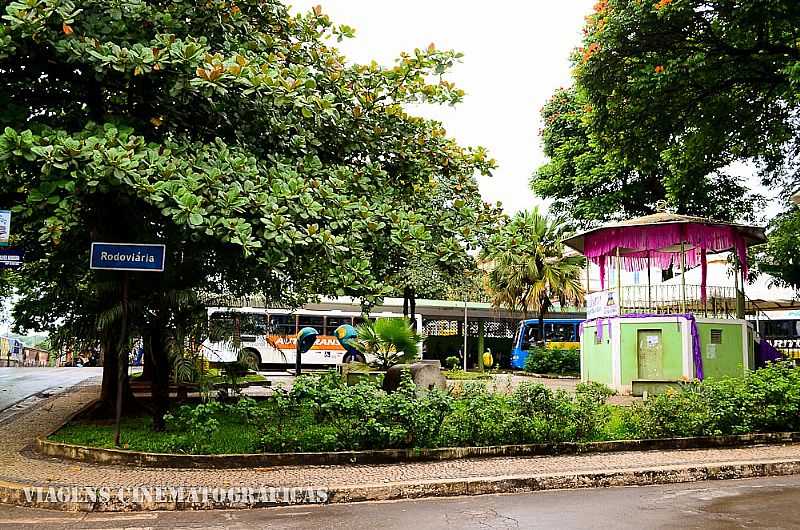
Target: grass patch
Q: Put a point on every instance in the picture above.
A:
(461, 375)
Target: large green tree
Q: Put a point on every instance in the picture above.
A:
(588, 182)
(234, 132)
(678, 91)
(683, 94)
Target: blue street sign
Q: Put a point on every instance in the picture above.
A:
(10, 258)
(127, 257)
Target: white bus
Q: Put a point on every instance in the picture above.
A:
(260, 336)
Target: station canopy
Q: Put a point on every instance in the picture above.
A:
(659, 240)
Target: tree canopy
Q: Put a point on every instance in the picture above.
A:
(672, 100)
(235, 131)
(237, 134)
(675, 92)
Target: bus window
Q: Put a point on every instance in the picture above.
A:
(282, 325)
(561, 332)
(332, 323)
(530, 336)
(221, 326)
(311, 321)
(252, 324)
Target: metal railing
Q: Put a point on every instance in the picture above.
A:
(668, 298)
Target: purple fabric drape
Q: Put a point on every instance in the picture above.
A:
(766, 352)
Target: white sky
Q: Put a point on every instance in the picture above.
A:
(516, 53)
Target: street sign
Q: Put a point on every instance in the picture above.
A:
(10, 258)
(127, 257)
(5, 227)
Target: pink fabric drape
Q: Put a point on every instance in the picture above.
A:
(640, 242)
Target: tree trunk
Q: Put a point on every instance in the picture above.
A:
(108, 389)
(405, 302)
(156, 357)
(412, 307)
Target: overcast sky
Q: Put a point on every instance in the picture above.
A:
(515, 55)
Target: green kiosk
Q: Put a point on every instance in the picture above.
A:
(645, 338)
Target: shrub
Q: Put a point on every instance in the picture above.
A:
(452, 362)
(553, 361)
(762, 401)
(194, 426)
(364, 416)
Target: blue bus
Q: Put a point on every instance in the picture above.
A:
(559, 333)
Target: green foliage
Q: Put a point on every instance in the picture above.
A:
(391, 340)
(585, 180)
(763, 401)
(779, 258)
(363, 416)
(458, 374)
(553, 361)
(197, 424)
(529, 270)
(452, 362)
(236, 134)
(322, 413)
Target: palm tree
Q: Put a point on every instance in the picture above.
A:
(529, 271)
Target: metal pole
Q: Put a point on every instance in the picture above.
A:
(683, 279)
(122, 356)
(466, 331)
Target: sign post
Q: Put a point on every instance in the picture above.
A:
(125, 257)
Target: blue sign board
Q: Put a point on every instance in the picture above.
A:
(127, 257)
(10, 258)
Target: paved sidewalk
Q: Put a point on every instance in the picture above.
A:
(18, 467)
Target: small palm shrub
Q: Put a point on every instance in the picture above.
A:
(390, 340)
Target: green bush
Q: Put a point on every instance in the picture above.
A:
(452, 362)
(762, 401)
(364, 416)
(553, 361)
(322, 413)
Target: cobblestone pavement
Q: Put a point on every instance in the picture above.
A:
(18, 466)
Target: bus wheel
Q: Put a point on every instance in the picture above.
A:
(250, 359)
(354, 358)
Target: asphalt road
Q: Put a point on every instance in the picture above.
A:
(23, 387)
(755, 503)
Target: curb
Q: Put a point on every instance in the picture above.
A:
(121, 457)
(12, 493)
